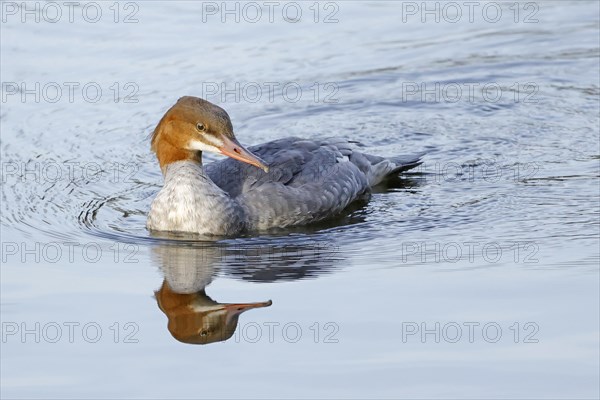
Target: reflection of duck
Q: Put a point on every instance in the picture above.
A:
(304, 181)
(193, 317)
(196, 318)
(283, 260)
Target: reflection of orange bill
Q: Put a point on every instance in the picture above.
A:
(238, 308)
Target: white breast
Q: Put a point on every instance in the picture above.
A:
(190, 202)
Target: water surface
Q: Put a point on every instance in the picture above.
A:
(474, 276)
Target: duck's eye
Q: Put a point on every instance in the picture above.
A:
(200, 126)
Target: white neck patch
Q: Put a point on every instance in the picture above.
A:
(198, 145)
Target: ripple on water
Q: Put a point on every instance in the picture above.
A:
(557, 133)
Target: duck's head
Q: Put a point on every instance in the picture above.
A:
(194, 125)
(197, 319)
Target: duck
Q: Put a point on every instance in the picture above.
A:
(282, 183)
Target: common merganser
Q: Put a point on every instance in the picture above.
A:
(282, 183)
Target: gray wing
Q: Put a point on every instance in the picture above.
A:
(307, 180)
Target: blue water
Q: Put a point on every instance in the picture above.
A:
(474, 276)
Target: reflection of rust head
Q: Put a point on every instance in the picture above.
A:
(196, 318)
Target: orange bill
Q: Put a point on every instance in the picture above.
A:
(232, 148)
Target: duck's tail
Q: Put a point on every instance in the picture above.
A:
(381, 167)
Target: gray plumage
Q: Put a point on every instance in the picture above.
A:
(308, 181)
